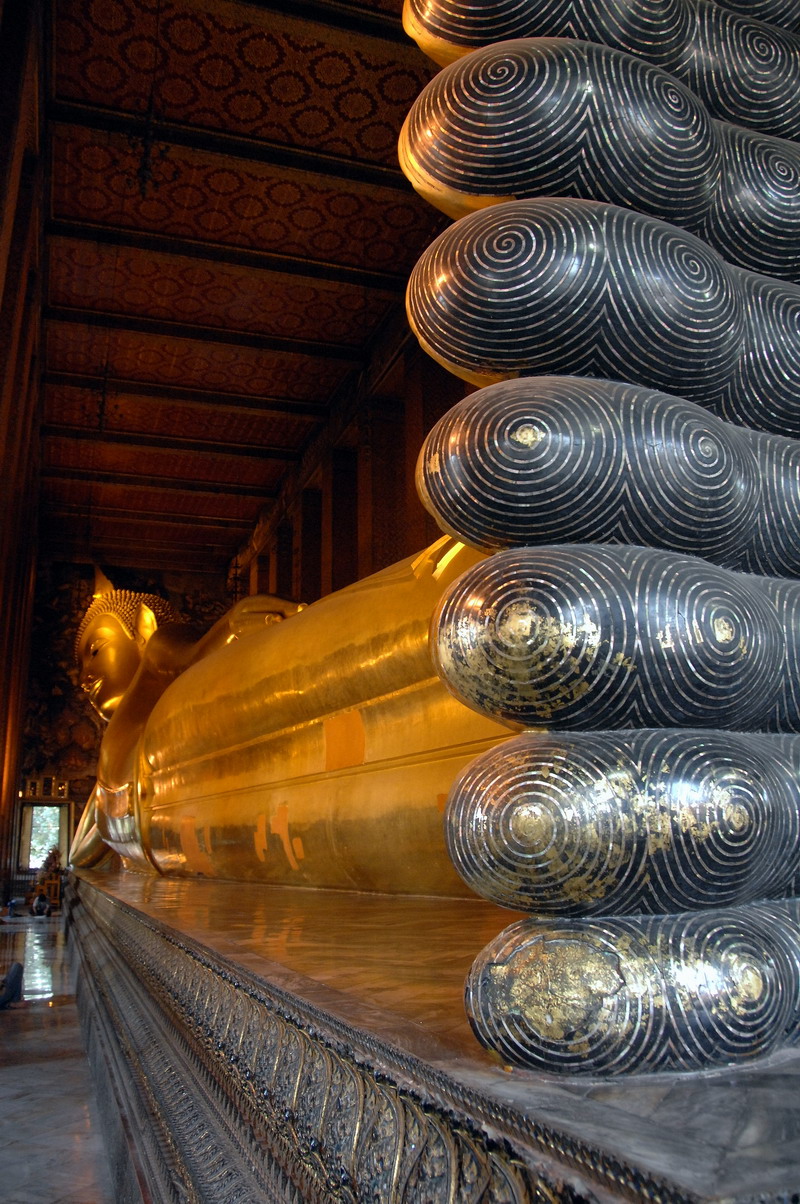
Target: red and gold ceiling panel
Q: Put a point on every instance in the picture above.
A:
(208, 197)
(87, 496)
(96, 351)
(80, 407)
(61, 453)
(176, 288)
(174, 535)
(232, 67)
(229, 229)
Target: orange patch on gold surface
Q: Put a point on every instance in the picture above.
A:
(197, 859)
(345, 741)
(279, 826)
(260, 837)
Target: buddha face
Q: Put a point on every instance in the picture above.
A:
(108, 658)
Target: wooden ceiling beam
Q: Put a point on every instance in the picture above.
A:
(219, 142)
(135, 557)
(392, 283)
(338, 14)
(140, 543)
(205, 447)
(280, 407)
(176, 485)
(203, 334)
(211, 522)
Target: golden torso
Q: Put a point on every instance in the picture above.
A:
(317, 751)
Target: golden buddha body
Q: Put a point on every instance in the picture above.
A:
(286, 744)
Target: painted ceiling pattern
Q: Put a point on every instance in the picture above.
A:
(128, 413)
(203, 196)
(97, 277)
(235, 67)
(228, 231)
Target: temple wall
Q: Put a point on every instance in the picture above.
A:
(20, 223)
(351, 508)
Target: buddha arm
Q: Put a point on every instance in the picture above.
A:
(352, 646)
(289, 756)
(88, 847)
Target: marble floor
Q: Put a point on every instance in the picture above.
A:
(52, 1150)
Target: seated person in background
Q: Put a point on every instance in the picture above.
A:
(41, 905)
(11, 985)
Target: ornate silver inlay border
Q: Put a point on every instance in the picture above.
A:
(238, 1090)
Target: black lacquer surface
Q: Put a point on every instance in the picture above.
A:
(744, 70)
(664, 800)
(785, 13)
(593, 636)
(539, 117)
(623, 995)
(583, 288)
(563, 460)
(626, 822)
(559, 459)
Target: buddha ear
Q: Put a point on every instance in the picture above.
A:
(145, 624)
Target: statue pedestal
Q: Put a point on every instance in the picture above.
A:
(281, 1044)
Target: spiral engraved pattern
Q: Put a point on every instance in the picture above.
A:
(553, 116)
(571, 460)
(566, 460)
(752, 218)
(489, 114)
(764, 388)
(552, 286)
(594, 637)
(745, 71)
(649, 821)
(753, 75)
(789, 750)
(631, 995)
(785, 13)
(784, 921)
(773, 546)
(785, 597)
(635, 821)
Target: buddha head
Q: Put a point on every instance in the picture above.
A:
(111, 641)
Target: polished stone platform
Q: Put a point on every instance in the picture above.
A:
(325, 1033)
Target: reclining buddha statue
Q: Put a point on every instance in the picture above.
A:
(645, 812)
(286, 743)
(587, 710)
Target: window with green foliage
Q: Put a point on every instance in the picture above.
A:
(42, 829)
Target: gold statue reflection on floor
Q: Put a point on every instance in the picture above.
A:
(307, 746)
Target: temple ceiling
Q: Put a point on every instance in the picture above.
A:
(228, 231)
